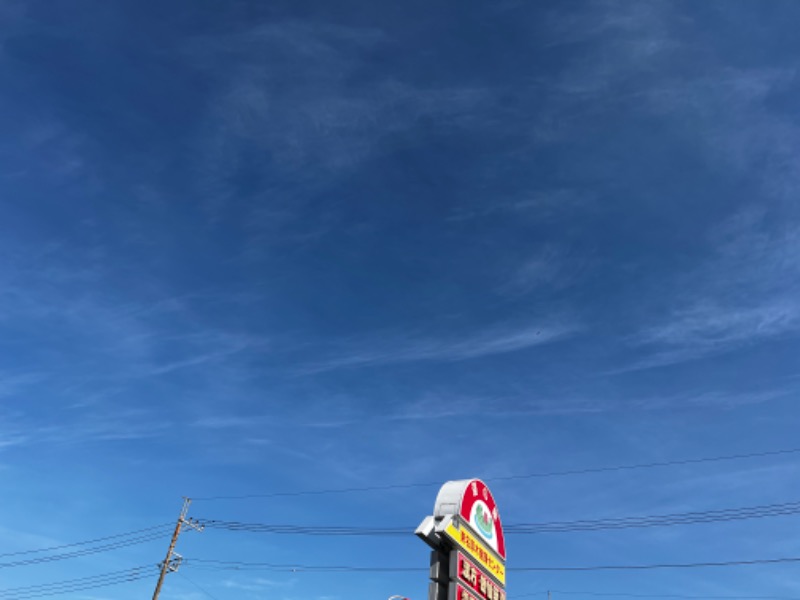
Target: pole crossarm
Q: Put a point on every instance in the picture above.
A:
(173, 560)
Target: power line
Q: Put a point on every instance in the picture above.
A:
(82, 552)
(663, 520)
(235, 566)
(697, 565)
(222, 565)
(686, 518)
(651, 465)
(87, 542)
(77, 585)
(304, 530)
(630, 595)
(697, 597)
(197, 585)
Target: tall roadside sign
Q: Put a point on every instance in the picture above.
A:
(468, 558)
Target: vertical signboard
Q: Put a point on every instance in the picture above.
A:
(474, 579)
(469, 550)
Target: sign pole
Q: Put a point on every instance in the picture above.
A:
(468, 545)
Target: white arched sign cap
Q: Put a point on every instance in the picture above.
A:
(472, 502)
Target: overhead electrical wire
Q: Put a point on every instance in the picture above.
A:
(223, 565)
(664, 520)
(197, 585)
(696, 565)
(78, 585)
(85, 548)
(303, 530)
(634, 595)
(82, 552)
(586, 471)
(238, 566)
(686, 518)
(145, 535)
(154, 533)
(142, 572)
(87, 542)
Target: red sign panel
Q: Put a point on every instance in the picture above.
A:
(463, 594)
(480, 584)
(478, 508)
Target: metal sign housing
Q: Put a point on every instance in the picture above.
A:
(471, 500)
(469, 550)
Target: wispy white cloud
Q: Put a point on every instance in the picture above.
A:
(712, 326)
(77, 427)
(434, 406)
(225, 346)
(49, 146)
(541, 270)
(227, 422)
(713, 398)
(12, 384)
(312, 129)
(393, 350)
(533, 404)
(121, 426)
(735, 399)
(8, 442)
(532, 205)
(551, 269)
(748, 291)
(25, 539)
(143, 332)
(257, 584)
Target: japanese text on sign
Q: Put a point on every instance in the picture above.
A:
(475, 548)
(463, 594)
(478, 581)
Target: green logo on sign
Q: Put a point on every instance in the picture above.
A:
(484, 521)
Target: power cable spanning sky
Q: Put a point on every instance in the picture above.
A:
(158, 532)
(305, 261)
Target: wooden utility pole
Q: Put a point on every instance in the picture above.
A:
(173, 559)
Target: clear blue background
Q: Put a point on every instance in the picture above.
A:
(249, 247)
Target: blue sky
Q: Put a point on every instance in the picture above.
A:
(259, 247)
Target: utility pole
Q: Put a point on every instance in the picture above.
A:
(173, 559)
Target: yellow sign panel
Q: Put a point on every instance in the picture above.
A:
(478, 550)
